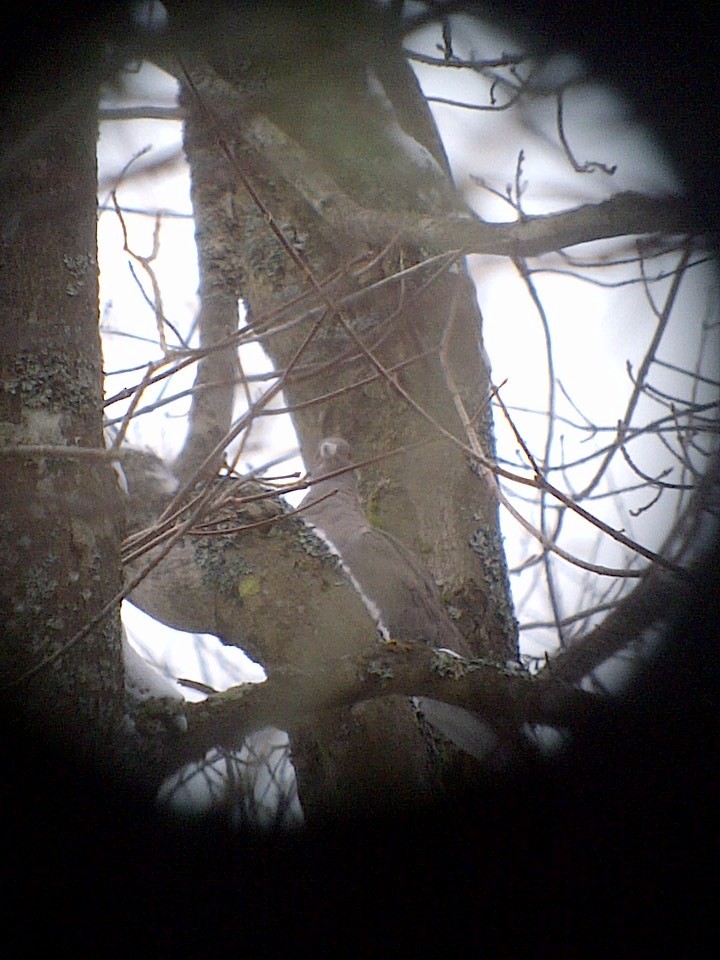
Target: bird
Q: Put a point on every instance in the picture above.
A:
(389, 575)
(396, 587)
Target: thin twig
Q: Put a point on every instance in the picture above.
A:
(663, 319)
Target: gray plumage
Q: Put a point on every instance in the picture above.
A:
(396, 587)
(385, 570)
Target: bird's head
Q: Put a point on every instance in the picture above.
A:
(333, 453)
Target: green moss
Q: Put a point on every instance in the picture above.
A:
(79, 268)
(487, 543)
(448, 665)
(161, 716)
(221, 564)
(373, 506)
(314, 545)
(39, 584)
(376, 668)
(51, 379)
(248, 587)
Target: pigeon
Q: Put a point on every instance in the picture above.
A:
(394, 584)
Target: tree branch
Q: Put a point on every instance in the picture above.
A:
(624, 214)
(289, 697)
(659, 601)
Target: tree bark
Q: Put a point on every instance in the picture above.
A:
(60, 522)
(372, 319)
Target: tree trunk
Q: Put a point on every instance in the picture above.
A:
(362, 347)
(60, 520)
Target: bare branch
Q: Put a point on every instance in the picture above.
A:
(147, 112)
(289, 697)
(590, 166)
(624, 214)
(662, 323)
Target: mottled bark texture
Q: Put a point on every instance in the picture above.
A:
(427, 495)
(59, 522)
(334, 308)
